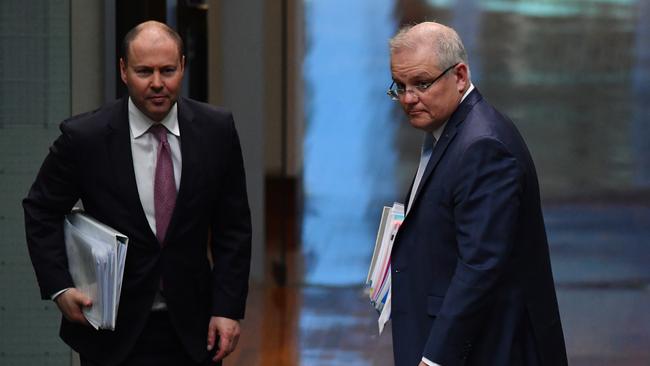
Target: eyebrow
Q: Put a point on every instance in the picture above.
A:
(154, 67)
(418, 76)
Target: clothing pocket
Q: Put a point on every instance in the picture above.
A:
(433, 304)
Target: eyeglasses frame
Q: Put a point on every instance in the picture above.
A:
(394, 93)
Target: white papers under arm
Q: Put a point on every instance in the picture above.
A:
(83, 270)
(385, 314)
(379, 276)
(96, 255)
(380, 234)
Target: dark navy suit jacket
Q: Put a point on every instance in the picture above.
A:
(471, 274)
(91, 160)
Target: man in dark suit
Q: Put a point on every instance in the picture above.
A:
(168, 173)
(471, 274)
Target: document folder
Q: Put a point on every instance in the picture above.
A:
(96, 255)
(378, 280)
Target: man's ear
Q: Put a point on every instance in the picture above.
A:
(462, 77)
(182, 62)
(123, 70)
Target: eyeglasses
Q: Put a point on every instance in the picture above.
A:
(395, 91)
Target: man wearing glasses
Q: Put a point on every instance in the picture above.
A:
(471, 274)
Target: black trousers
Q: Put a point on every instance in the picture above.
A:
(158, 345)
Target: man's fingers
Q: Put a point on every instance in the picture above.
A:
(212, 330)
(225, 343)
(85, 301)
(221, 353)
(74, 314)
(80, 318)
(234, 342)
(71, 304)
(75, 296)
(224, 348)
(219, 356)
(228, 332)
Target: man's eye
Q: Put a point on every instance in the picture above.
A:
(400, 87)
(143, 72)
(423, 85)
(169, 71)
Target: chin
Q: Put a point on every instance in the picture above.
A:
(425, 125)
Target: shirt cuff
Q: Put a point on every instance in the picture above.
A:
(56, 294)
(429, 362)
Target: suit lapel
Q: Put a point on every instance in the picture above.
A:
(447, 136)
(121, 161)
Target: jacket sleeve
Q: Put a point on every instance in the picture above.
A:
(231, 229)
(50, 198)
(487, 199)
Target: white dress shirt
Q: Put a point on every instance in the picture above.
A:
(437, 133)
(144, 149)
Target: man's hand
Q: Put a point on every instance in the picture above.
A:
(71, 303)
(228, 332)
(422, 363)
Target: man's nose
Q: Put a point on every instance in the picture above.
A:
(156, 81)
(409, 97)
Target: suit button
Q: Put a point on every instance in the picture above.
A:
(397, 270)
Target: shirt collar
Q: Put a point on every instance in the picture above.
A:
(438, 131)
(469, 90)
(139, 123)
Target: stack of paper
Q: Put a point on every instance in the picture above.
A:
(96, 255)
(378, 280)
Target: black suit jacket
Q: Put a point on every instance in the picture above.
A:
(471, 274)
(91, 160)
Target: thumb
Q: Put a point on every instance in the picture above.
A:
(86, 302)
(82, 299)
(212, 330)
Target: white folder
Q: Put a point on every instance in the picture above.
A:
(96, 255)
(378, 281)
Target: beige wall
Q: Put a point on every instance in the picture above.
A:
(270, 50)
(245, 75)
(294, 92)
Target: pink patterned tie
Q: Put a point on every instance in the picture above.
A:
(164, 185)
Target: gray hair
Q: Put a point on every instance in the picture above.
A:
(444, 43)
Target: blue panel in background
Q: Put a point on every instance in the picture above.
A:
(349, 149)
